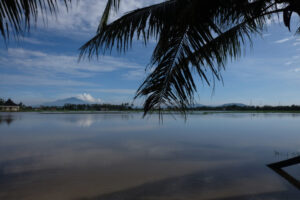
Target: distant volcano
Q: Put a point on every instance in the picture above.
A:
(62, 102)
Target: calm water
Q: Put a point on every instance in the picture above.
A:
(124, 157)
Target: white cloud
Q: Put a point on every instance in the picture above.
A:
(266, 35)
(84, 16)
(88, 98)
(289, 63)
(35, 41)
(39, 62)
(296, 43)
(283, 40)
(135, 74)
(114, 91)
(296, 57)
(38, 80)
(20, 52)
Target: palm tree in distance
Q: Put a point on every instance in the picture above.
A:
(16, 16)
(193, 38)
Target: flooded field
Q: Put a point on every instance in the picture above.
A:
(120, 156)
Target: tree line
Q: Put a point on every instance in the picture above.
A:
(71, 107)
(10, 102)
(131, 107)
(89, 107)
(247, 108)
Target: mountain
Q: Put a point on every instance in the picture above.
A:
(233, 104)
(197, 105)
(62, 102)
(216, 106)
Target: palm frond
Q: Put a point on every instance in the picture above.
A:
(111, 4)
(171, 83)
(16, 16)
(192, 36)
(144, 22)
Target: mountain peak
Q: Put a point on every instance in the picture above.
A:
(62, 102)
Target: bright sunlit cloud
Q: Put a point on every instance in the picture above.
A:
(88, 98)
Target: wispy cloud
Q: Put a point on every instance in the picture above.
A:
(35, 41)
(266, 35)
(296, 43)
(40, 62)
(296, 70)
(83, 17)
(283, 40)
(289, 63)
(28, 80)
(114, 91)
(138, 74)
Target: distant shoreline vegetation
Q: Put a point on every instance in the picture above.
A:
(265, 108)
(72, 107)
(130, 107)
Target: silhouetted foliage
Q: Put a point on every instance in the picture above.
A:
(16, 16)
(21, 105)
(97, 107)
(9, 102)
(87, 107)
(291, 108)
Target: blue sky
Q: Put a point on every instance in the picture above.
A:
(43, 66)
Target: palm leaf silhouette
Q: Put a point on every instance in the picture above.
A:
(16, 15)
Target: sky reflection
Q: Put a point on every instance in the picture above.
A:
(104, 156)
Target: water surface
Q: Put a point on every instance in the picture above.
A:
(120, 156)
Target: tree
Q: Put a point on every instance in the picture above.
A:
(194, 37)
(16, 16)
(10, 102)
(2, 102)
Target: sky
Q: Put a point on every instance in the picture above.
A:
(43, 66)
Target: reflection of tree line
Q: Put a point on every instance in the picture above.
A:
(8, 119)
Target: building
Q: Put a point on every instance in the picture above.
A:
(9, 106)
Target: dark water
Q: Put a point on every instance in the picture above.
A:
(124, 157)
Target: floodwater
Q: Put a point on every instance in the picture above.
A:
(120, 156)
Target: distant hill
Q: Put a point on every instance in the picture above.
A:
(197, 105)
(224, 105)
(77, 101)
(233, 104)
(62, 102)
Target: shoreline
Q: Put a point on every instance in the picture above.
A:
(205, 112)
